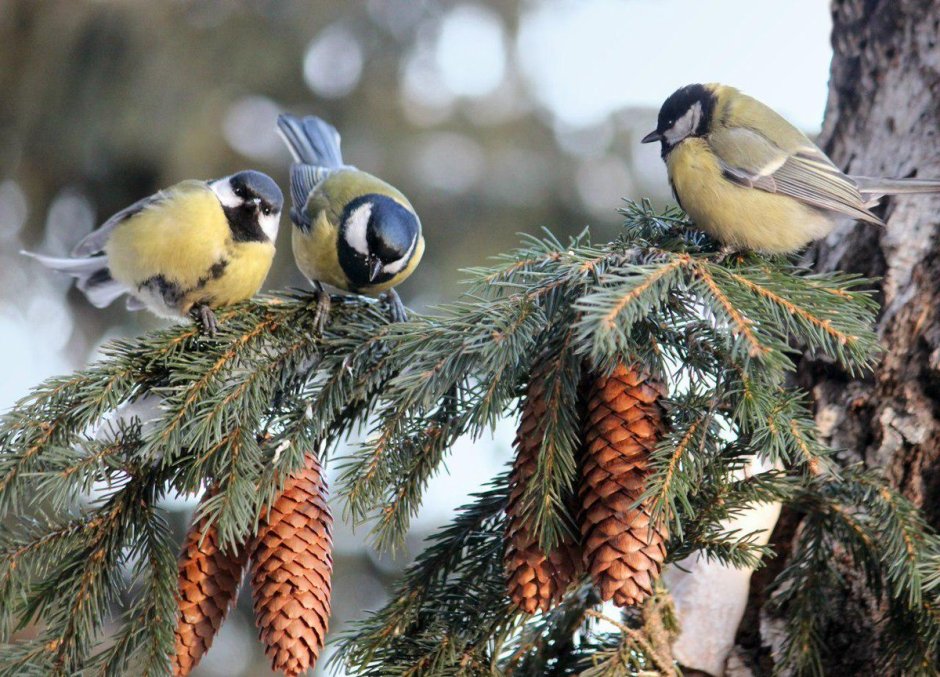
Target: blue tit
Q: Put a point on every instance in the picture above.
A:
(187, 249)
(752, 180)
(352, 231)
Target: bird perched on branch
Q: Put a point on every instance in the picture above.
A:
(752, 180)
(187, 249)
(351, 230)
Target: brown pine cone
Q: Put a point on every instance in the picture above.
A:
(291, 572)
(536, 580)
(208, 586)
(623, 551)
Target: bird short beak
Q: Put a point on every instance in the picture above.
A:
(651, 137)
(255, 203)
(375, 269)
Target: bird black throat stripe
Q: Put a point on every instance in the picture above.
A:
(244, 224)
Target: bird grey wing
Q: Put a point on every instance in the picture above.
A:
(746, 157)
(95, 241)
(812, 178)
(303, 179)
(764, 182)
(750, 159)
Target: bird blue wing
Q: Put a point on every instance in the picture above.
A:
(303, 179)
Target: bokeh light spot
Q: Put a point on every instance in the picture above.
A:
(249, 128)
(448, 161)
(602, 183)
(426, 100)
(333, 62)
(70, 216)
(471, 50)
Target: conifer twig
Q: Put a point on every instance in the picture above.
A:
(81, 480)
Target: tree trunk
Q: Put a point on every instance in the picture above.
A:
(882, 119)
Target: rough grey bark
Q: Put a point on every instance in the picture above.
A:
(882, 119)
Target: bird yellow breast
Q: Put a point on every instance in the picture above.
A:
(247, 268)
(185, 239)
(736, 215)
(316, 252)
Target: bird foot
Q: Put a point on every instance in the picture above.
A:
(728, 252)
(205, 316)
(321, 315)
(396, 309)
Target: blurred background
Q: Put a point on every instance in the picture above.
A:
(494, 117)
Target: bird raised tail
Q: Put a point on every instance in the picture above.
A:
(92, 275)
(311, 141)
(873, 188)
(314, 143)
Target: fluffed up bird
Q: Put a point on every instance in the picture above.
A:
(752, 180)
(352, 231)
(187, 249)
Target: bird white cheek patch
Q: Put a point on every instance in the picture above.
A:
(685, 125)
(223, 190)
(357, 228)
(397, 266)
(269, 224)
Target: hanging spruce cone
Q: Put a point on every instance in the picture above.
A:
(291, 570)
(208, 586)
(623, 551)
(536, 580)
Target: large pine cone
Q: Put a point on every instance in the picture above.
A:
(291, 572)
(208, 586)
(536, 579)
(623, 551)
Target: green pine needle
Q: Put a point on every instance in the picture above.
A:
(84, 543)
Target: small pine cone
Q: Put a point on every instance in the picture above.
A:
(291, 572)
(537, 580)
(208, 586)
(623, 551)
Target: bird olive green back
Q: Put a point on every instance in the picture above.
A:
(734, 109)
(344, 185)
(760, 149)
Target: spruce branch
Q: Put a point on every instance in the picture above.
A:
(81, 475)
(144, 638)
(635, 652)
(549, 491)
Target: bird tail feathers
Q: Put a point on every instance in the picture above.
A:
(311, 141)
(91, 273)
(874, 187)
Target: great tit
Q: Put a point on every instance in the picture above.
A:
(752, 180)
(351, 230)
(187, 249)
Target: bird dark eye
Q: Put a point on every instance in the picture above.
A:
(266, 211)
(240, 192)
